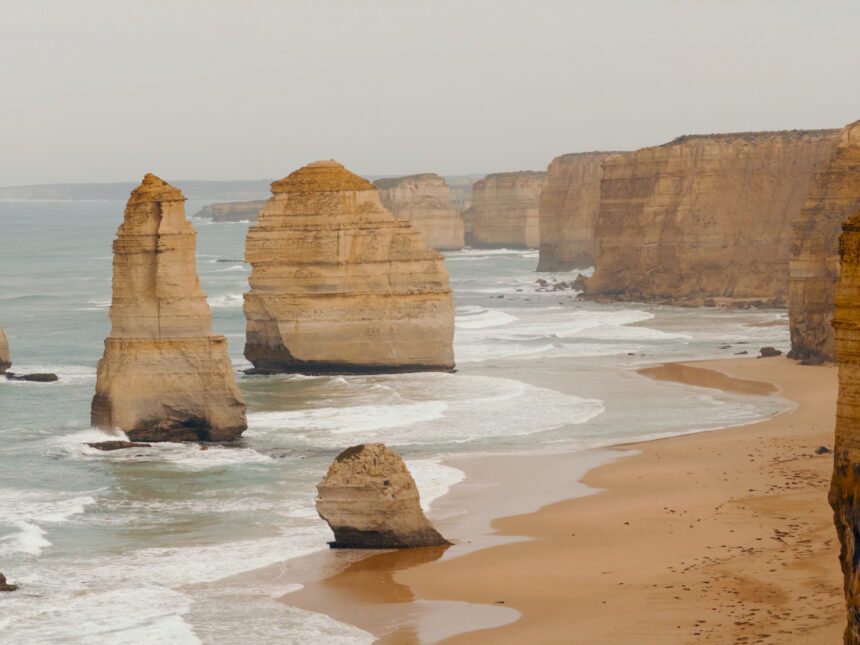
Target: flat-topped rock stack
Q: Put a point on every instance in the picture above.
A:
(845, 484)
(231, 211)
(5, 360)
(425, 201)
(370, 501)
(568, 208)
(504, 210)
(338, 284)
(814, 262)
(705, 217)
(164, 375)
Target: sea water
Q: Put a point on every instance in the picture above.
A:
(107, 547)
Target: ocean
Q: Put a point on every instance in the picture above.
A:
(108, 547)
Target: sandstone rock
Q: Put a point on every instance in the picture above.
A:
(504, 210)
(425, 201)
(814, 263)
(370, 501)
(568, 209)
(4, 586)
(231, 211)
(38, 377)
(769, 352)
(164, 375)
(704, 217)
(5, 360)
(338, 284)
(844, 494)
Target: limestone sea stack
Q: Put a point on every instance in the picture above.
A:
(425, 201)
(231, 211)
(370, 501)
(5, 360)
(164, 375)
(845, 484)
(814, 262)
(338, 284)
(504, 210)
(705, 217)
(568, 209)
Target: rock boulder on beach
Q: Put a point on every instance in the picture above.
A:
(370, 501)
(164, 375)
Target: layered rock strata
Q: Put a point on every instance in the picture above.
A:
(814, 263)
(845, 485)
(231, 211)
(424, 201)
(568, 207)
(704, 217)
(504, 210)
(370, 501)
(164, 376)
(338, 284)
(5, 360)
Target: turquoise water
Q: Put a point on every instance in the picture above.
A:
(105, 545)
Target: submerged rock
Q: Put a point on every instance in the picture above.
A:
(338, 284)
(108, 446)
(370, 501)
(37, 377)
(5, 361)
(164, 375)
(844, 494)
(4, 586)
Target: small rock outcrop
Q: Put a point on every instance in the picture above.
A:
(37, 377)
(5, 360)
(425, 201)
(705, 216)
(844, 494)
(164, 375)
(504, 210)
(5, 586)
(231, 211)
(370, 501)
(814, 263)
(568, 208)
(338, 284)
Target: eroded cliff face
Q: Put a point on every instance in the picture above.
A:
(845, 485)
(504, 210)
(814, 262)
(5, 361)
(569, 203)
(370, 501)
(338, 284)
(704, 217)
(164, 376)
(424, 201)
(231, 211)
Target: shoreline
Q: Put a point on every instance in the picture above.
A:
(545, 554)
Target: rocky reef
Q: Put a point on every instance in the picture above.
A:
(504, 210)
(164, 376)
(338, 284)
(705, 217)
(5, 360)
(568, 209)
(845, 485)
(425, 201)
(814, 262)
(370, 501)
(231, 211)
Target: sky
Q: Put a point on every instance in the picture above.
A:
(249, 89)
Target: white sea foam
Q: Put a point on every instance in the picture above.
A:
(433, 478)
(483, 318)
(228, 300)
(230, 269)
(27, 511)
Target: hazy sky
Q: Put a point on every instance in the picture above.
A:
(245, 89)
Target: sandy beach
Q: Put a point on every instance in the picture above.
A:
(722, 536)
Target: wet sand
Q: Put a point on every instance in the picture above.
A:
(714, 537)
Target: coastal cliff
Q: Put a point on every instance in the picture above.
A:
(814, 262)
(338, 284)
(5, 361)
(164, 376)
(504, 210)
(425, 201)
(704, 217)
(231, 211)
(568, 210)
(845, 485)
